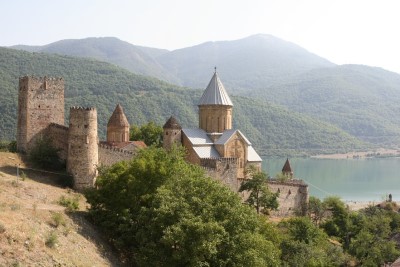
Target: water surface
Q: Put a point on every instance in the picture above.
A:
(350, 179)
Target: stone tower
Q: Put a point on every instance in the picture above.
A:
(118, 126)
(215, 107)
(40, 102)
(172, 133)
(83, 158)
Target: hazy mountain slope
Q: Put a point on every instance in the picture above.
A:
(92, 83)
(252, 62)
(137, 59)
(362, 100)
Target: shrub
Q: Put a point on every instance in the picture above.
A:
(51, 240)
(58, 219)
(71, 204)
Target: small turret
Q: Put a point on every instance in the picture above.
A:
(172, 133)
(287, 169)
(118, 126)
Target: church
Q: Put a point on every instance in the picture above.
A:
(223, 151)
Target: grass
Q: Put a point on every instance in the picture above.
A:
(52, 240)
(58, 220)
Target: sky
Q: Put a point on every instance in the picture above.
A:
(342, 31)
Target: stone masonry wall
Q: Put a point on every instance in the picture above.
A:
(59, 136)
(109, 156)
(293, 197)
(40, 102)
(83, 158)
(223, 170)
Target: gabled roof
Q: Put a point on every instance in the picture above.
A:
(197, 136)
(215, 93)
(252, 155)
(227, 134)
(287, 168)
(118, 118)
(206, 152)
(172, 123)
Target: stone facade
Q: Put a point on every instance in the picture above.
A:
(109, 155)
(41, 114)
(83, 158)
(40, 103)
(215, 118)
(293, 197)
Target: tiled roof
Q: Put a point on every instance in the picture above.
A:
(172, 123)
(215, 93)
(252, 155)
(197, 136)
(227, 134)
(206, 152)
(118, 118)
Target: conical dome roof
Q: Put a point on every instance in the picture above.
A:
(287, 168)
(118, 118)
(172, 123)
(215, 93)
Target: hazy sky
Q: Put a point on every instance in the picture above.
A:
(342, 31)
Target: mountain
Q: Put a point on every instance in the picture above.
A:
(252, 62)
(137, 59)
(271, 128)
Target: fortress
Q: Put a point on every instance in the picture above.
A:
(41, 115)
(223, 152)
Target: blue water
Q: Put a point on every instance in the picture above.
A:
(350, 179)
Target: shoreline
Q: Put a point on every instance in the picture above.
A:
(381, 152)
(358, 205)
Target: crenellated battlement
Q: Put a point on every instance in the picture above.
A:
(78, 108)
(40, 79)
(115, 149)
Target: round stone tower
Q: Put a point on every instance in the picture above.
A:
(83, 155)
(215, 107)
(118, 126)
(172, 133)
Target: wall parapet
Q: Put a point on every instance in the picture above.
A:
(116, 149)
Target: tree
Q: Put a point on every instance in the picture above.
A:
(150, 134)
(161, 211)
(316, 210)
(44, 155)
(260, 196)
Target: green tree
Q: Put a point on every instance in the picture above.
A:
(165, 212)
(150, 133)
(44, 155)
(317, 210)
(259, 194)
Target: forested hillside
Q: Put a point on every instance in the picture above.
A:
(93, 83)
(363, 101)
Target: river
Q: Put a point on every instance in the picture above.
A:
(350, 179)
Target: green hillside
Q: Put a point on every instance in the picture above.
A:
(93, 83)
(363, 101)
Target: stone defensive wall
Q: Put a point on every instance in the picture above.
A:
(293, 197)
(223, 170)
(110, 155)
(59, 137)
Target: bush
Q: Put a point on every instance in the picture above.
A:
(51, 240)
(45, 155)
(71, 204)
(58, 219)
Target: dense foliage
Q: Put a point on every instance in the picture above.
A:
(161, 211)
(271, 128)
(44, 155)
(150, 133)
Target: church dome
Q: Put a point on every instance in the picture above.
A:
(118, 118)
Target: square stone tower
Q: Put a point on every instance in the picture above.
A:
(40, 102)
